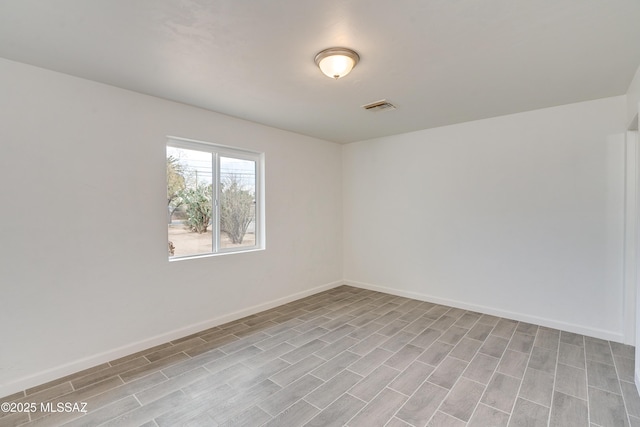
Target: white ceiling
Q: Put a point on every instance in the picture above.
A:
(440, 61)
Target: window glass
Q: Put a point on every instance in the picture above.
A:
(237, 202)
(212, 199)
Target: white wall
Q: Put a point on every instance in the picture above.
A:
(83, 247)
(520, 216)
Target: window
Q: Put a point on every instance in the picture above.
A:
(213, 199)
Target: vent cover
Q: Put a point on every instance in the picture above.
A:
(382, 105)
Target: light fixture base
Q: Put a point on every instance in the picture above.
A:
(337, 62)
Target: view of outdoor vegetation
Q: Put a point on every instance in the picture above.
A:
(191, 203)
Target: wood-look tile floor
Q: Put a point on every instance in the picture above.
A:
(355, 357)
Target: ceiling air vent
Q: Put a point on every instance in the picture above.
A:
(382, 105)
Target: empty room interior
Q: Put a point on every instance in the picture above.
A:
(330, 213)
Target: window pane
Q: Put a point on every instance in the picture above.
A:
(189, 201)
(237, 202)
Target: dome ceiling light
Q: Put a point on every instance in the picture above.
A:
(337, 62)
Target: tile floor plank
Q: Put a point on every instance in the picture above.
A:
(251, 417)
(603, 376)
(107, 413)
(527, 413)
(494, 346)
(598, 350)
(411, 378)
(440, 419)
(423, 404)
(537, 387)
(404, 357)
(521, 342)
(501, 392)
(330, 368)
(149, 411)
(513, 363)
(328, 392)
(606, 409)
(572, 355)
(462, 399)
(447, 373)
(435, 353)
(571, 381)
(366, 364)
(631, 398)
(481, 368)
(294, 416)
(480, 331)
(290, 394)
(380, 410)
(625, 368)
(547, 338)
(568, 410)
(543, 359)
(487, 416)
(373, 383)
(338, 413)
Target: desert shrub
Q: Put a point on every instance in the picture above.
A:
(236, 208)
(198, 208)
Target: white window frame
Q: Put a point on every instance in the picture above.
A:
(218, 151)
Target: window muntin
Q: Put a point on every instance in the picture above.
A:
(214, 200)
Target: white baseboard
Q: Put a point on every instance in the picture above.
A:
(541, 321)
(97, 359)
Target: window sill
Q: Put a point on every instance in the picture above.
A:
(187, 257)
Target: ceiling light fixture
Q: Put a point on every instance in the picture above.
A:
(337, 62)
